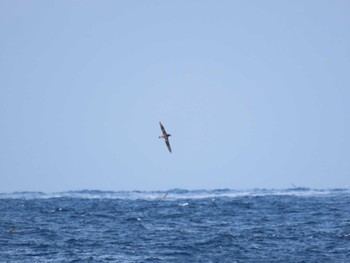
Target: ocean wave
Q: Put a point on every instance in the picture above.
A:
(174, 194)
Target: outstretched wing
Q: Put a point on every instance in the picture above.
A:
(168, 144)
(162, 128)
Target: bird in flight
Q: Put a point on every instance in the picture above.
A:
(164, 196)
(165, 136)
(12, 230)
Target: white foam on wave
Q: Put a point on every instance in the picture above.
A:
(174, 194)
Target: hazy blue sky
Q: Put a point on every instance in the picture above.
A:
(255, 94)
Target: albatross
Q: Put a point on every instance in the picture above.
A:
(165, 136)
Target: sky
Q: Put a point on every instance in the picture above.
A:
(256, 94)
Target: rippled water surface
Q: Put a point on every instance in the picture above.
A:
(292, 225)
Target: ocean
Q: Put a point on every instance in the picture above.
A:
(258, 225)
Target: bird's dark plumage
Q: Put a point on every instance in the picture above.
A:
(165, 136)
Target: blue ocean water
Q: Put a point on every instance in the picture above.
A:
(291, 225)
